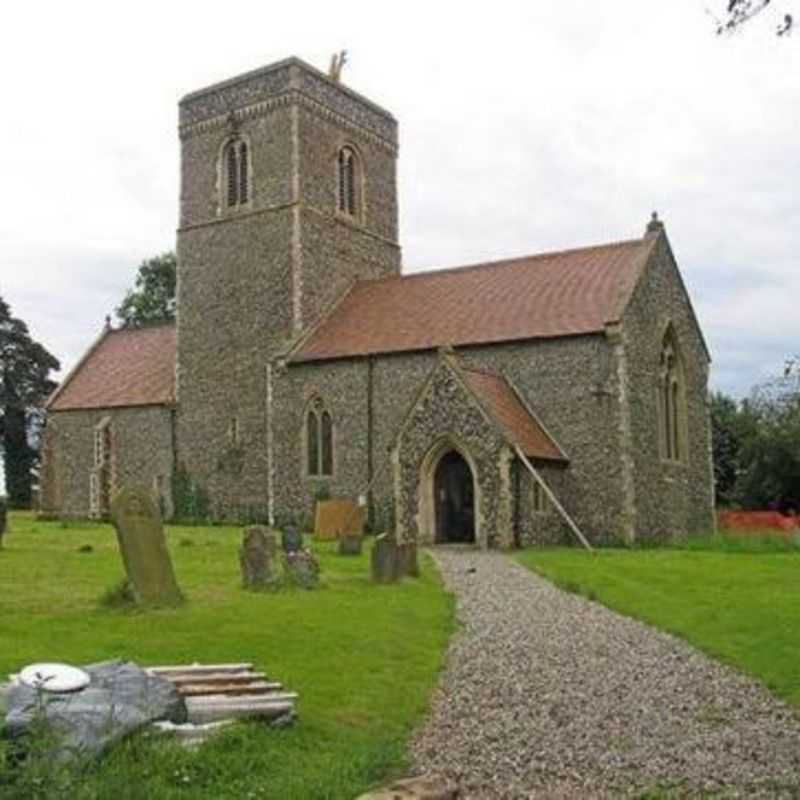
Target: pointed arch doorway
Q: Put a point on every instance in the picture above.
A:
(454, 499)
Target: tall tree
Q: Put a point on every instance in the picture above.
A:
(25, 383)
(152, 300)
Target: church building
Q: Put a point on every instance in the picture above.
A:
(488, 403)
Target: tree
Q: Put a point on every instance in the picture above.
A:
(739, 12)
(152, 300)
(726, 445)
(25, 366)
(770, 457)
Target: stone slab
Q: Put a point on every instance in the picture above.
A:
(337, 517)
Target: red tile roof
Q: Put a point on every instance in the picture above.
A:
(127, 367)
(553, 294)
(520, 426)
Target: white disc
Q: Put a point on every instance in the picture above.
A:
(54, 677)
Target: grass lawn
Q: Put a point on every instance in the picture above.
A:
(363, 659)
(737, 600)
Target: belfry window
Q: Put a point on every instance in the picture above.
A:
(236, 164)
(671, 401)
(319, 440)
(348, 179)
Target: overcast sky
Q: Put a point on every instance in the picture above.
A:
(524, 126)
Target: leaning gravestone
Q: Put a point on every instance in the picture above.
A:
(140, 534)
(257, 557)
(385, 559)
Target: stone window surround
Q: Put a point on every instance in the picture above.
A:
(223, 209)
(317, 406)
(102, 476)
(538, 499)
(675, 452)
(359, 180)
(234, 430)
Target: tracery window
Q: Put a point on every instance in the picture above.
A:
(348, 180)
(236, 164)
(671, 401)
(319, 440)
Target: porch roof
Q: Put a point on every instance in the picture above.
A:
(504, 405)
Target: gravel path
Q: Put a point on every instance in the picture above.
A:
(546, 694)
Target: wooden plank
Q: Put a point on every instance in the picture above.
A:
(202, 714)
(234, 699)
(211, 677)
(553, 499)
(197, 668)
(257, 687)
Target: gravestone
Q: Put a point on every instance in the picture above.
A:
(301, 569)
(336, 518)
(350, 544)
(384, 559)
(140, 534)
(291, 539)
(257, 557)
(407, 555)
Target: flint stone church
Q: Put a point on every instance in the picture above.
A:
(304, 364)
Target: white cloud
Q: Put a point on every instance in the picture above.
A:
(524, 126)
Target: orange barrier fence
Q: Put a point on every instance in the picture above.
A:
(758, 520)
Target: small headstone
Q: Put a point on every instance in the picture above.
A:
(409, 564)
(140, 534)
(384, 559)
(301, 569)
(291, 539)
(257, 557)
(350, 545)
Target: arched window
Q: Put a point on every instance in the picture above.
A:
(235, 159)
(671, 401)
(243, 177)
(232, 167)
(348, 181)
(319, 440)
(326, 451)
(312, 442)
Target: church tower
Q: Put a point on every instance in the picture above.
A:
(288, 195)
